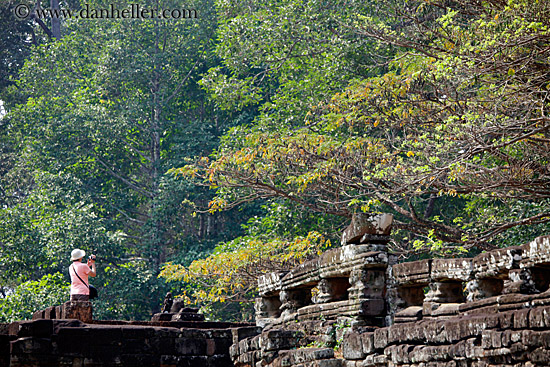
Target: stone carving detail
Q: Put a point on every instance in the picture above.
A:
(332, 290)
(292, 300)
(168, 301)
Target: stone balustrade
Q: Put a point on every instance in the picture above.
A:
(489, 310)
(347, 281)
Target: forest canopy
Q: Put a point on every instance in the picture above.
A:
(213, 150)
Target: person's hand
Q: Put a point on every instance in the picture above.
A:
(91, 260)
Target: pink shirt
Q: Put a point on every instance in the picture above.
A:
(77, 287)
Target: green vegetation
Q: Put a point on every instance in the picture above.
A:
(212, 150)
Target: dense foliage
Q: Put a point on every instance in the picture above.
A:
(450, 134)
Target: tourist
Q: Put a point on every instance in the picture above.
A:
(79, 275)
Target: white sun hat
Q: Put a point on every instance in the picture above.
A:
(77, 254)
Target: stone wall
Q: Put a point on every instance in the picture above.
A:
(354, 306)
(66, 342)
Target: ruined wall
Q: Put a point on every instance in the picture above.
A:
(66, 342)
(354, 306)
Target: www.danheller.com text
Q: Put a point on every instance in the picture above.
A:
(132, 11)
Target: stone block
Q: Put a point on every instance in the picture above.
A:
(167, 316)
(66, 337)
(35, 328)
(188, 316)
(440, 309)
(459, 269)
(496, 263)
(536, 252)
(380, 338)
(78, 310)
(278, 339)
(364, 223)
(352, 347)
(136, 332)
(302, 276)
(539, 318)
(241, 333)
(50, 313)
(412, 273)
(59, 312)
(270, 284)
(137, 359)
(367, 342)
(190, 346)
(37, 315)
(479, 289)
(367, 283)
(304, 355)
(32, 346)
(521, 319)
(413, 313)
(444, 292)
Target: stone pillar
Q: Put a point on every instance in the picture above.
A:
(267, 308)
(445, 292)
(442, 299)
(78, 310)
(368, 290)
(483, 288)
(293, 299)
(332, 290)
(367, 284)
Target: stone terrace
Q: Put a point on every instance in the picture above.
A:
(490, 310)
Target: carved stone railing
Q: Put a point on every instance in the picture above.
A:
(489, 310)
(349, 281)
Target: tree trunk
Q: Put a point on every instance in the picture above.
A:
(56, 22)
(156, 235)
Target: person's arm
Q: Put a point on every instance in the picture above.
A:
(91, 264)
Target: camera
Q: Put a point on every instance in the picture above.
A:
(92, 257)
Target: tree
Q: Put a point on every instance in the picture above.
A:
(460, 111)
(110, 107)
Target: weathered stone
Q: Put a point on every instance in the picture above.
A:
(479, 289)
(78, 310)
(409, 314)
(305, 275)
(412, 273)
(352, 347)
(278, 339)
(440, 309)
(380, 338)
(451, 269)
(332, 290)
(241, 333)
(270, 284)
(363, 223)
(444, 292)
(496, 263)
(536, 252)
(367, 284)
(293, 299)
(36, 328)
